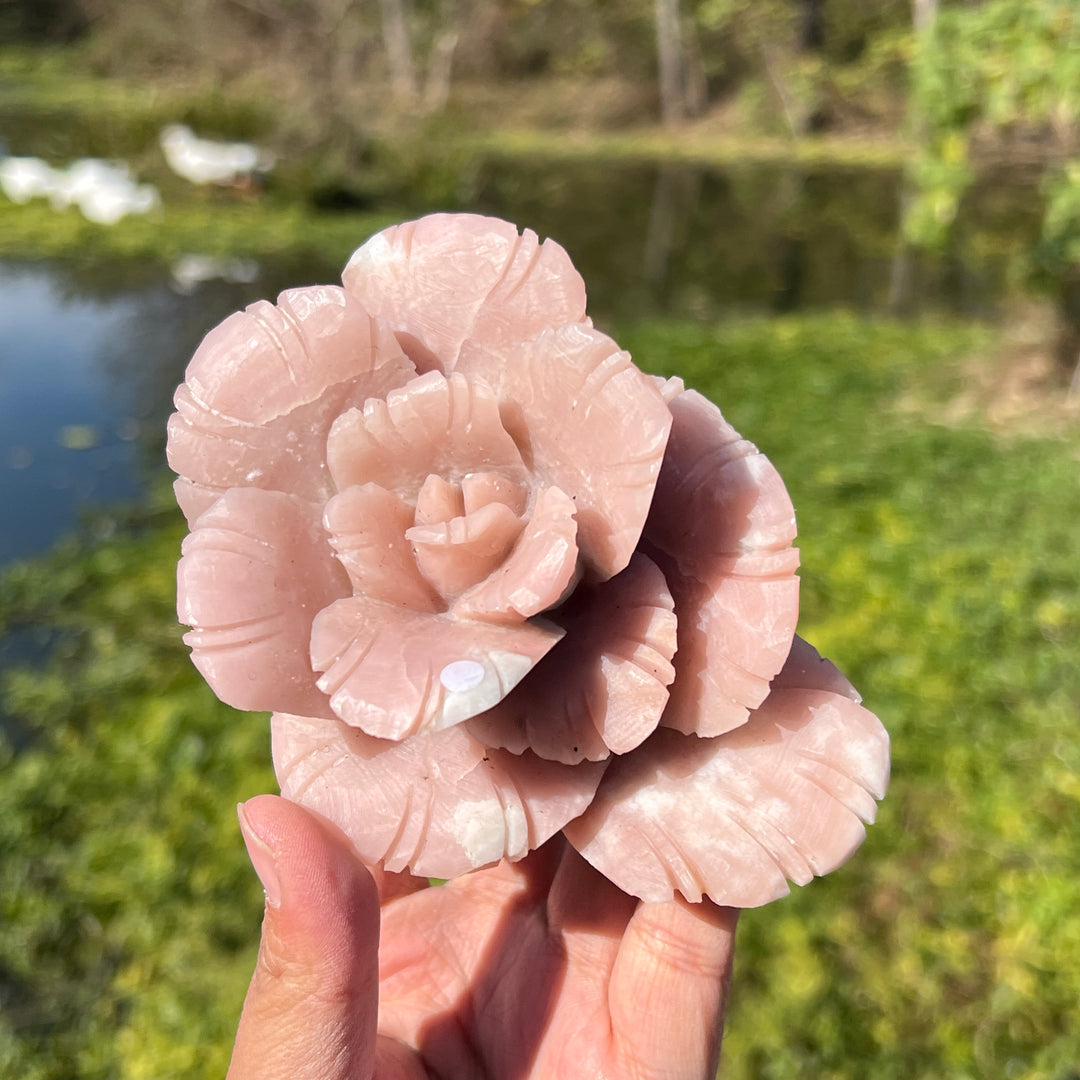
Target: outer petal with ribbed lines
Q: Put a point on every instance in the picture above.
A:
(264, 387)
(449, 277)
(255, 571)
(394, 672)
(734, 818)
(721, 528)
(439, 804)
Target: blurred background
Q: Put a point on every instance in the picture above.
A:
(855, 224)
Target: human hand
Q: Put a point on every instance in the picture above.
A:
(538, 969)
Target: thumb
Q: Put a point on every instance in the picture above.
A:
(312, 1007)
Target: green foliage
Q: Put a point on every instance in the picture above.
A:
(1003, 71)
(219, 228)
(1006, 62)
(938, 571)
(1061, 225)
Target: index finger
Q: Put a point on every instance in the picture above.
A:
(669, 987)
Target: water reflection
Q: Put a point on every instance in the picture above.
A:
(695, 242)
(46, 388)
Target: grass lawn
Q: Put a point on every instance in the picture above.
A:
(939, 571)
(236, 229)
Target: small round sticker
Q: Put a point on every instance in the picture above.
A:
(462, 675)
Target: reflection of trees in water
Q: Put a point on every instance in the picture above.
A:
(675, 200)
(773, 238)
(691, 241)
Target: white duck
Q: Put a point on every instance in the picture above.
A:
(26, 178)
(104, 192)
(203, 161)
(107, 204)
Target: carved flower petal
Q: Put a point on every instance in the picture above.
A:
(588, 422)
(195, 499)
(438, 500)
(448, 277)
(367, 527)
(454, 555)
(538, 571)
(481, 488)
(805, 668)
(241, 421)
(394, 672)
(263, 362)
(733, 818)
(433, 424)
(439, 804)
(255, 571)
(604, 686)
(721, 528)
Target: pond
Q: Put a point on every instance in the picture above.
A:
(91, 352)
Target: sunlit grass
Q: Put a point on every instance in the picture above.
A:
(221, 227)
(690, 147)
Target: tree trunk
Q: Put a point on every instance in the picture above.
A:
(669, 52)
(924, 12)
(398, 51)
(440, 63)
(440, 58)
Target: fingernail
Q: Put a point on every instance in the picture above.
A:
(262, 858)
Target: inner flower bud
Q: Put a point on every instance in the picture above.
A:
(457, 554)
(438, 500)
(480, 488)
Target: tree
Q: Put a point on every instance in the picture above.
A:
(1000, 82)
(404, 78)
(671, 60)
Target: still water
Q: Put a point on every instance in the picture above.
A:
(88, 362)
(90, 354)
(67, 438)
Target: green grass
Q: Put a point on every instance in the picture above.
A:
(690, 147)
(939, 570)
(212, 227)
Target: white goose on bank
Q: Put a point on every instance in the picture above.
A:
(26, 178)
(103, 191)
(204, 161)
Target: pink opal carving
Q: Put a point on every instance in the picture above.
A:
(440, 804)
(263, 389)
(382, 662)
(721, 528)
(449, 279)
(494, 582)
(576, 405)
(603, 688)
(784, 797)
(537, 571)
